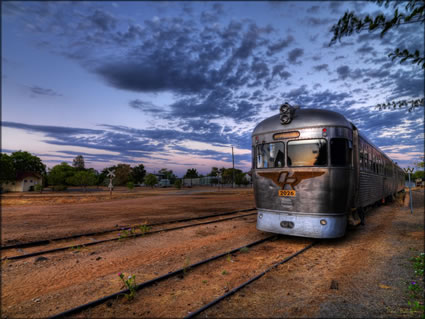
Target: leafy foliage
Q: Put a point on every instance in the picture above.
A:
(26, 162)
(60, 174)
(82, 178)
(227, 176)
(151, 180)
(191, 173)
(138, 173)
(78, 162)
(178, 183)
(214, 172)
(7, 169)
(414, 13)
(410, 104)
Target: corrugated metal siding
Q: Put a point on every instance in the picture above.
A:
(371, 188)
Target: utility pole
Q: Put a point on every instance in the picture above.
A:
(233, 170)
(409, 170)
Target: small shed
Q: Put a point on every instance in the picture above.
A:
(23, 182)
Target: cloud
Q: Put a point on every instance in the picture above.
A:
(319, 21)
(321, 67)
(43, 91)
(313, 9)
(334, 6)
(343, 72)
(365, 49)
(145, 106)
(102, 20)
(279, 45)
(294, 55)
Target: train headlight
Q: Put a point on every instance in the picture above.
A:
(324, 132)
(260, 215)
(323, 222)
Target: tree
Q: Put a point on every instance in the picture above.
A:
(138, 173)
(191, 173)
(414, 12)
(78, 162)
(168, 174)
(214, 172)
(59, 174)
(151, 180)
(227, 175)
(7, 170)
(25, 162)
(122, 174)
(82, 178)
(178, 183)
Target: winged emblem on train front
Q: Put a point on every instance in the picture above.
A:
(282, 178)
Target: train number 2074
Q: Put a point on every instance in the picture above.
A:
(287, 193)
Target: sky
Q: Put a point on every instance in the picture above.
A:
(176, 84)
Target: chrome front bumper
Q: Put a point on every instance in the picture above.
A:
(303, 225)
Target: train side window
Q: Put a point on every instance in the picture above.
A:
(270, 155)
(340, 152)
(307, 152)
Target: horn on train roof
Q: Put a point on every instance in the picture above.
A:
(287, 113)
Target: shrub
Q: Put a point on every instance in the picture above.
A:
(38, 188)
(59, 188)
(130, 185)
(178, 183)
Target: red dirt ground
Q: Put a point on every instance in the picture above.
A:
(370, 266)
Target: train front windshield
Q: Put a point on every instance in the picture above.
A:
(307, 152)
(270, 155)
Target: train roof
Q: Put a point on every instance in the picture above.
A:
(303, 118)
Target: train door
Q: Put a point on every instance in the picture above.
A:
(356, 165)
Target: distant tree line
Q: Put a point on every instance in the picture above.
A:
(60, 176)
(224, 175)
(63, 175)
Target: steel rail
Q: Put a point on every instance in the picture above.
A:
(148, 283)
(49, 251)
(234, 290)
(48, 241)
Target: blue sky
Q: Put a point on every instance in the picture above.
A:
(175, 84)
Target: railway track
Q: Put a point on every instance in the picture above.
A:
(48, 241)
(180, 272)
(9, 252)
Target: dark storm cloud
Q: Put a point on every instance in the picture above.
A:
(102, 20)
(279, 69)
(321, 67)
(319, 21)
(334, 6)
(173, 58)
(145, 106)
(217, 104)
(318, 99)
(294, 55)
(279, 45)
(407, 85)
(212, 15)
(43, 91)
(343, 72)
(51, 131)
(365, 49)
(313, 9)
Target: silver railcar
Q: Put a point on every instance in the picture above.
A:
(313, 173)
